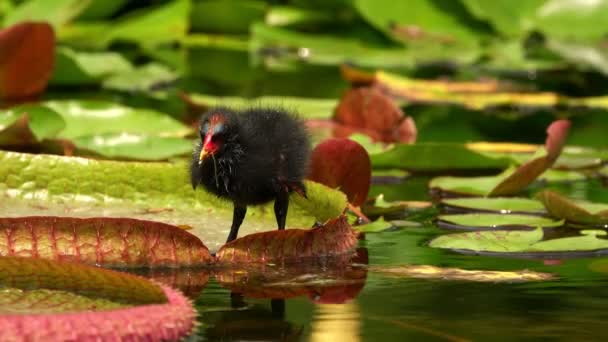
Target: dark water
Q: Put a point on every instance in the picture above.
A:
(355, 301)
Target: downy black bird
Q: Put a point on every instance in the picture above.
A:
(251, 157)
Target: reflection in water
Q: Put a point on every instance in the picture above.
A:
(334, 322)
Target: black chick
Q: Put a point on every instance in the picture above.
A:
(251, 157)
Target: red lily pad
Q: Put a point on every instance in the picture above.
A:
(344, 164)
(334, 238)
(369, 111)
(153, 312)
(109, 242)
(529, 171)
(27, 53)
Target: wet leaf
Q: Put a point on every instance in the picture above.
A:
(368, 110)
(108, 242)
(334, 238)
(492, 221)
(458, 274)
(26, 59)
(157, 312)
(77, 187)
(574, 211)
(504, 205)
(343, 164)
(80, 68)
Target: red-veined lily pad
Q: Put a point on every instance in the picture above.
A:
(524, 243)
(451, 274)
(108, 242)
(582, 212)
(503, 205)
(512, 180)
(335, 237)
(77, 187)
(26, 59)
(479, 221)
(128, 307)
(343, 164)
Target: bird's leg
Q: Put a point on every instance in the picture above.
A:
(237, 218)
(281, 203)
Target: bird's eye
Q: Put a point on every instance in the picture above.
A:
(204, 130)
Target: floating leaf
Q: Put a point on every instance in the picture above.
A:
(56, 12)
(26, 59)
(77, 187)
(226, 17)
(142, 79)
(158, 313)
(512, 180)
(42, 301)
(504, 205)
(334, 238)
(524, 243)
(427, 157)
(495, 221)
(458, 274)
(342, 164)
(108, 242)
(378, 225)
(574, 211)
(367, 110)
(29, 124)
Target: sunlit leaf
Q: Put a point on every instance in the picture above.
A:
(77, 187)
(26, 59)
(132, 146)
(56, 12)
(108, 242)
(451, 274)
(334, 238)
(79, 68)
(342, 164)
(29, 124)
(141, 79)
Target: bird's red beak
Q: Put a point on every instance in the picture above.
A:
(209, 147)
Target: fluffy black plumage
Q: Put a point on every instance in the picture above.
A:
(251, 157)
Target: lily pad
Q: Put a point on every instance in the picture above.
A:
(582, 212)
(524, 243)
(108, 242)
(451, 274)
(77, 187)
(378, 225)
(503, 205)
(494, 221)
(29, 124)
(82, 68)
(141, 308)
(335, 237)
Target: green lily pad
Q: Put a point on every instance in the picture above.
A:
(379, 225)
(435, 157)
(503, 205)
(27, 124)
(81, 68)
(77, 187)
(141, 79)
(57, 13)
(523, 243)
(491, 221)
(477, 186)
(582, 212)
(307, 108)
(132, 146)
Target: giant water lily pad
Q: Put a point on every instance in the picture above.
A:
(69, 300)
(504, 205)
(77, 187)
(494, 221)
(583, 212)
(108, 242)
(524, 243)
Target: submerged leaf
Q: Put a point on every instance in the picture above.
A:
(335, 237)
(108, 242)
(574, 211)
(342, 164)
(451, 274)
